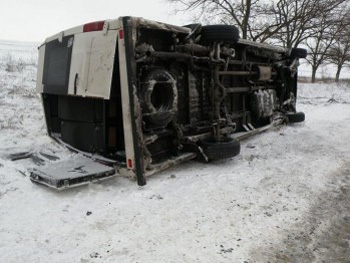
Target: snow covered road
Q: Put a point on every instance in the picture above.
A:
(285, 198)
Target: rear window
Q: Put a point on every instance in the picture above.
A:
(57, 66)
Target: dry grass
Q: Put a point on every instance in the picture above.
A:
(324, 92)
(17, 89)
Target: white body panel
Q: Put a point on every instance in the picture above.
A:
(91, 70)
(92, 64)
(124, 87)
(92, 60)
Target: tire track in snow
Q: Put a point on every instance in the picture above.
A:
(323, 234)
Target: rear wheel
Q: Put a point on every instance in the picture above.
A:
(226, 33)
(220, 150)
(296, 117)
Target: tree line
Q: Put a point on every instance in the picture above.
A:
(322, 26)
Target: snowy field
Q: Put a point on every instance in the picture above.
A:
(285, 198)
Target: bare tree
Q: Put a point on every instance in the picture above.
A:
(240, 13)
(340, 55)
(314, 23)
(288, 21)
(325, 35)
(294, 21)
(339, 52)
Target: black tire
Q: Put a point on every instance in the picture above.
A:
(298, 53)
(295, 117)
(220, 150)
(192, 26)
(226, 33)
(159, 97)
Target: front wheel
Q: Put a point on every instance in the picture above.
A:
(298, 53)
(220, 150)
(294, 117)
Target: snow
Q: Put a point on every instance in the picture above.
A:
(285, 198)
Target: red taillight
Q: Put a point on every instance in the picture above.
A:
(129, 163)
(121, 34)
(94, 26)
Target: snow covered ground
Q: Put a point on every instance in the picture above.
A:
(285, 198)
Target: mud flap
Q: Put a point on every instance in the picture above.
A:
(71, 173)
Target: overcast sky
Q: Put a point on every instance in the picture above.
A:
(34, 20)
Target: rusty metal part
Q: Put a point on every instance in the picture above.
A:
(237, 73)
(230, 52)
(264, 73)
(166, 55)
(247, 89)
(207, 135)
(294, 67)
(194, 48)
(263, 103)
(138, 22)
